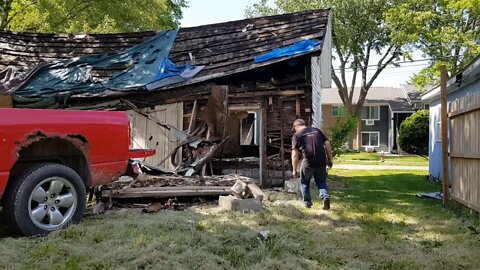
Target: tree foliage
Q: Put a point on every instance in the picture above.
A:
(90, 16)
(447, 31)
(360, 30)
(340, 133)
(413, 137)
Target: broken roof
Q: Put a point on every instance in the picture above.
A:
(224, 48)
(395, 97)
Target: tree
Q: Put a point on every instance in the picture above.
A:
(90, 16)
(413, 136)
(340, 132)
(447, 31)
(360, 30)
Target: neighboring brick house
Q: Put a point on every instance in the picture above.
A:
(384, 110)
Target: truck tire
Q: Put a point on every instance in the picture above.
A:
(45, 198)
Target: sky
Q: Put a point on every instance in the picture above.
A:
(201, 12)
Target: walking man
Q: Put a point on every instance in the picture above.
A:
(317, 155)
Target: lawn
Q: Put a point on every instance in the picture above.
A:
(376, 222)
(365, 158)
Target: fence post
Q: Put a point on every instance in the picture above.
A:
(443, 91)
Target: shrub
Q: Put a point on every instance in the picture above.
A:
(340, 132)
(413, 137)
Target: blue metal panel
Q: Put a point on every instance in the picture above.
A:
(435, 147)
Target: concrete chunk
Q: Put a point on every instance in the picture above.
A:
(239, 189)
(231, 203)
(256, 192)
(293, 186)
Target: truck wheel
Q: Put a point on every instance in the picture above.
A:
(46, 198)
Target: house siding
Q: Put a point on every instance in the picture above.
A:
(381, 126)
(328, 119)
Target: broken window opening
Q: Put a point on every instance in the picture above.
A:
(249, 130)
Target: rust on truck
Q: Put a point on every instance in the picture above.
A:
(77, 140)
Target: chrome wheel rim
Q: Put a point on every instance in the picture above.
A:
(52, 203)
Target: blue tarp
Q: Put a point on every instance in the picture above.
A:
(169, 69)
(169, 73)
(133, 70)
(304, 46)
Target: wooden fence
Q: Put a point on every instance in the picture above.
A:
(465, 150)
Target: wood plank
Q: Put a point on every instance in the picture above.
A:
(169, 188)
(264, 181)
(167, 192)
(268, 93)
(465, 110)
(469, 204)
(465, 155)
(34, 35)
(193, 118)
(282, 139)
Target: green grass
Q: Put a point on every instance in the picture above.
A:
(376, 222)
(365, 158)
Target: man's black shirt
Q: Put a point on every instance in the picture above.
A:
(310, 141)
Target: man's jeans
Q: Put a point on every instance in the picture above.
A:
(320, 176)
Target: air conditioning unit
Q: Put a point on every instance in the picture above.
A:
(418, 106)
(370, 122)
(369, 148)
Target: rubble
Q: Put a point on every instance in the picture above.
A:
(256, 192)
(164, 186)
(171, 204)
(244, 197)
(232, 203)
(293, 186)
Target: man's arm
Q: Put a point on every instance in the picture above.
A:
(295, 157)
(328, 150)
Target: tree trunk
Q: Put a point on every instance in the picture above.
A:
(359, 132)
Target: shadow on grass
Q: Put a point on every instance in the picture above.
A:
(376, 222)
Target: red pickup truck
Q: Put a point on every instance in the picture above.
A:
(49, 157)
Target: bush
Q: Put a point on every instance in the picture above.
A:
(340, 132)
(413, 137)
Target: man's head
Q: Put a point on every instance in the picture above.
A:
(298, 124)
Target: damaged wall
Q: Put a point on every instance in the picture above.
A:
(148, 134)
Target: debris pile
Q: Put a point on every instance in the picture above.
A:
(245, 197)
(164, 186)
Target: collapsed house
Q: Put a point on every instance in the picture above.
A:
(239, 84)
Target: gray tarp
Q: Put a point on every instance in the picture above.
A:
(54, 82)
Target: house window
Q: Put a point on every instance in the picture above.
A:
(438, 132)
(371, 139)
(371, 113)
(338, 111)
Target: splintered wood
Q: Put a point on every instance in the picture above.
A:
(146, 186)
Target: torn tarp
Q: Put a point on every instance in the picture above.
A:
(169, 73)
(98, 75)
(433, 195)
(303, 46)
